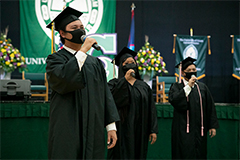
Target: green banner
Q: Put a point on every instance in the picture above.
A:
(236, 57)
(35, 39)
(192, 46)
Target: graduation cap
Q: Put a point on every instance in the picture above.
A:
(67, 16)
(186, 62)
(123, 55)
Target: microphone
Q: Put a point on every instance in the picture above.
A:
(195, 77)
(95, 45)
(132, 74)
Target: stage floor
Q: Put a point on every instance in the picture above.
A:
(24, 131)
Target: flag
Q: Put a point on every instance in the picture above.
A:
(236, 57)
(60, 45)
(132, 31)
(194, 47)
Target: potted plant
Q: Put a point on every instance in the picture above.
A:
(10, 57)
(150, 62)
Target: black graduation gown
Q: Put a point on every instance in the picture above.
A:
(138, 118)
(191, 145)
(81, 106)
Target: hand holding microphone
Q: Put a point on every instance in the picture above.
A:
(192, 80)
(133, 74)
(130, 75)
(94, 45)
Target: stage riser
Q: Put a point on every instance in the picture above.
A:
(24, 132)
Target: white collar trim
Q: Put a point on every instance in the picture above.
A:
(69, 49)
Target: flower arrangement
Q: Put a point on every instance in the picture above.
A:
(150, 61)
(10, 57)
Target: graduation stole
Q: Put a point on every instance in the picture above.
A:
(201, 111)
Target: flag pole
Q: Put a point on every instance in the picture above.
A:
(53, 39)
(232, 50)
(209, 50)
(174, 42)
(191, 32)
(133, 6)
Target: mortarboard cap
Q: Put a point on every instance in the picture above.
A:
(186, 62)
(123, 55)
(67, 16)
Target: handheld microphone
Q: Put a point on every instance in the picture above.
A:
(195, 77)
(95, 45)
(132, 74)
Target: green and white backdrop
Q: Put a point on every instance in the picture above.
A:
(35, 39)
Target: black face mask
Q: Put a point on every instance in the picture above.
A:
(76, 36)
(189, 74)
(129, 66)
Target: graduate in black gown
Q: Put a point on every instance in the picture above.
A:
(136, 107)
(194, 114)
(81, 103)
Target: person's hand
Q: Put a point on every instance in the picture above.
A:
(212, 132)
(87, 44)
(112, 139)
(130, 78)
(128, 75)
(153, 137)
(192, 81)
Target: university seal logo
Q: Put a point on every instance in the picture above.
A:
(47, 10)
(190, 51)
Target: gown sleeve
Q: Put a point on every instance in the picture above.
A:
(177, 97)
(120, 92)
(211, 111)
(63, 74)
(111, 113)
(153, 113)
